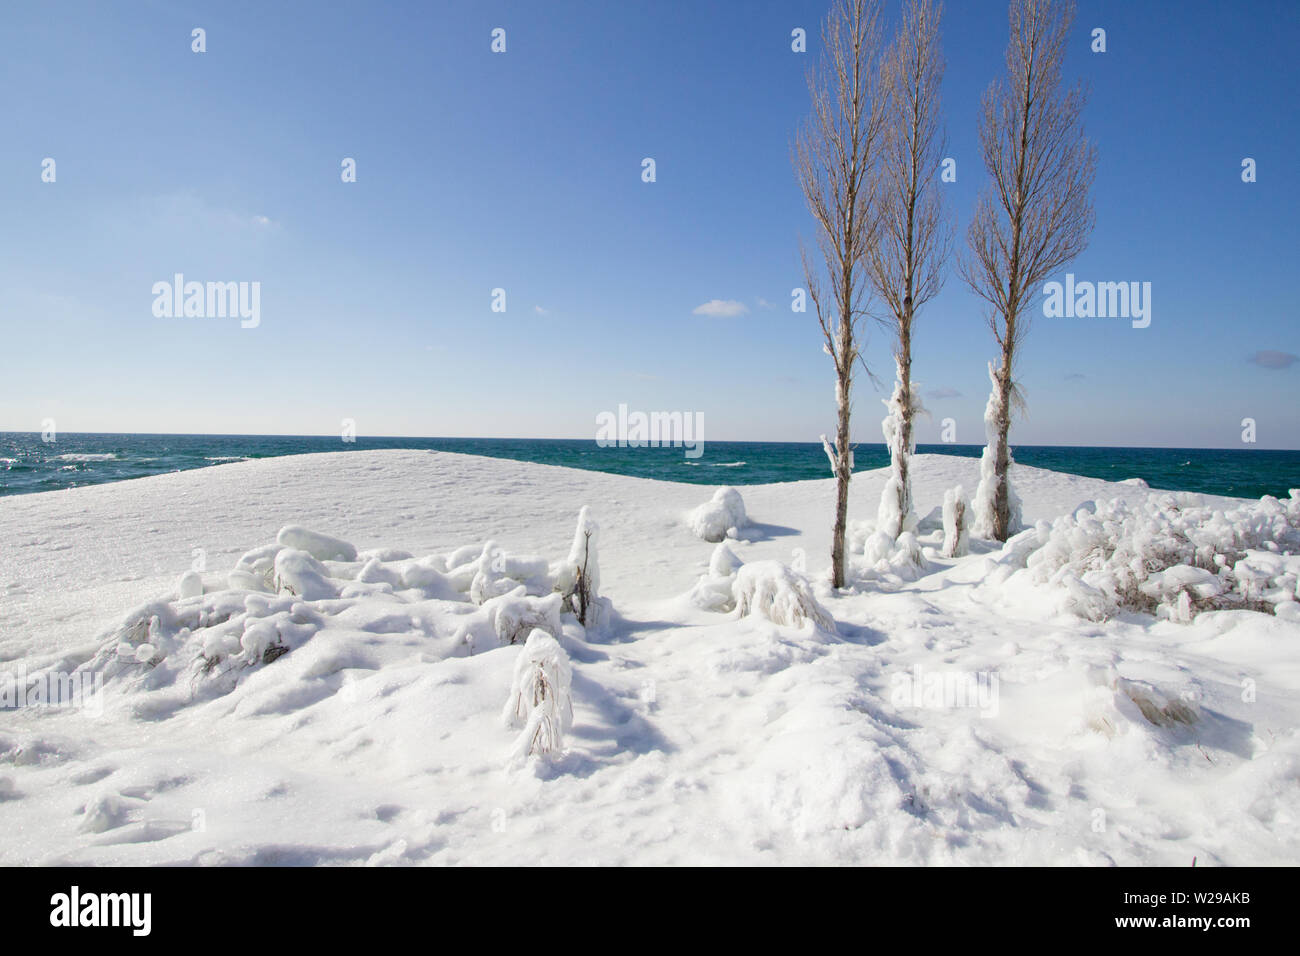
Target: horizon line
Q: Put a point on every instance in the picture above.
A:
(718, 441)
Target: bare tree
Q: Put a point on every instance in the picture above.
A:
(1033, 218)
(835, 152)
(906, 264)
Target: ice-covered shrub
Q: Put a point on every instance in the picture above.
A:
(1168, 555)
(300, 574)
(774, 591)
(540, 700)
(515, 615)
(278, 599)
(721, 517)
(577, 578)
(712, 592)
(955, 538)
(887, 558)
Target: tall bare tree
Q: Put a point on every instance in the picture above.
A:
(907, 263)
(1032, 219)
(835, 153)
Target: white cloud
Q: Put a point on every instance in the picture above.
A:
(721, 308)
(540, 311)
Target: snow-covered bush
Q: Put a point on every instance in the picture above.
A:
(895, 514)
(577, 578)
(885, 558)
(721, 517)
(774, 591)
(540, 700)
(1168, 555)
(984, 505)
(712, 592)
(955, 538)
(280, 599)
(515, 615)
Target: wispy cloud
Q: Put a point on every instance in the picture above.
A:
(943, 393)
(540, 311)
(1075, 377)
(764, 304)
(721, 308)
(1268, 359)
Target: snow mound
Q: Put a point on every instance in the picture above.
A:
(1168, 555)
(713, 591)
(774, 591)
(721, 517)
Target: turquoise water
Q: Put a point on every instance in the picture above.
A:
(27, 464)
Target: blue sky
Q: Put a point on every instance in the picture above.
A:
(522, 171)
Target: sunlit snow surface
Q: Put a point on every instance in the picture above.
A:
(698, 735)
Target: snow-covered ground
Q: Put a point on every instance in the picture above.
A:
(374, 734)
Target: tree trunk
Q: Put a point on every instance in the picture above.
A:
(1002, 454)
(904, 464)
(843, 473)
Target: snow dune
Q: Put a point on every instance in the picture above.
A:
(373, 732)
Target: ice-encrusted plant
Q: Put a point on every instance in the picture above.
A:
(540, 701)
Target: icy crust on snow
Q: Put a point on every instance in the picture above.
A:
(1169, 555)
(311, 618)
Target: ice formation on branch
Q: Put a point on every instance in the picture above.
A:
(721, 517)
(540, 700)
(985, 503)
(955, 538)
(774, 591)
(577, 578)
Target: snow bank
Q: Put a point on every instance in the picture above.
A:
(1168, 555)
(721, 517)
